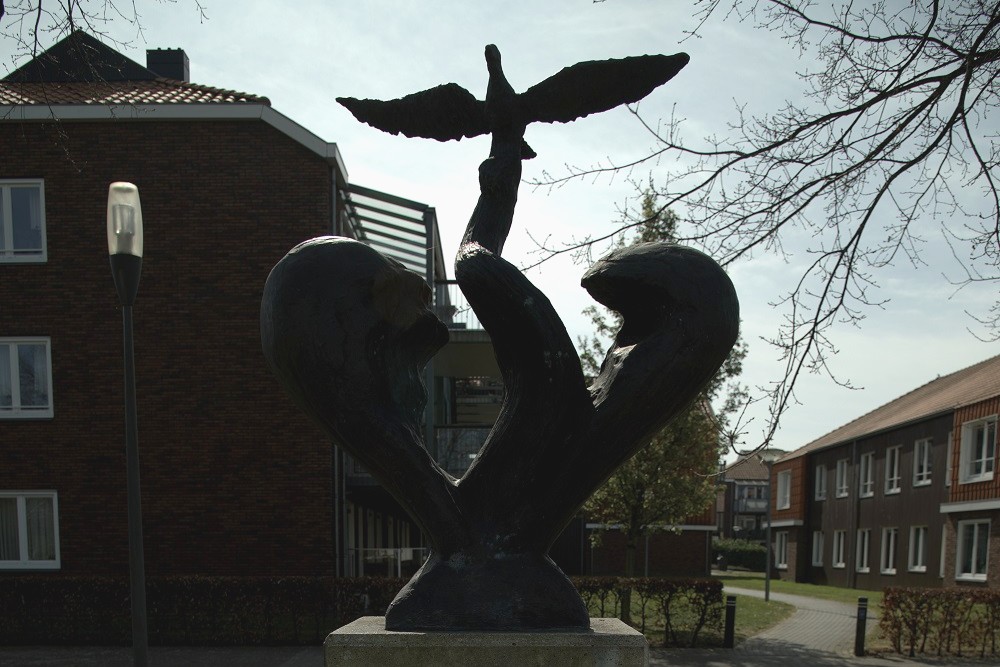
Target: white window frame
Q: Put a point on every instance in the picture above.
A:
(944, 544)
(843, 481)
(893, 473)
(979, 570)
(890, 541)
(982, 452)
(948, 464)
(23, 562)
(839, 547)
(917, 557)
(861, 551)
(817, 550)
(866, 475)
(784, 490)
(9, 254)
(922, 461)
(819, 492)
(781, 550)
(17, 411)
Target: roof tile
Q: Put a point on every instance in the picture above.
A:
(157, 91)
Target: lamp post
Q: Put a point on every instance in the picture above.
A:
(768, 458)
(125, 250)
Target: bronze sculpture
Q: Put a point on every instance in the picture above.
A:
(347, 332)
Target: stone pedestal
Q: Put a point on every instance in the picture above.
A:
(366, 643)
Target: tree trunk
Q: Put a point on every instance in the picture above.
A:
(626, 592)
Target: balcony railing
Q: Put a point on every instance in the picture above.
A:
(750, 505)
(452, 308)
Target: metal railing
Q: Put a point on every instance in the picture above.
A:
(452, 308)
(748, 505)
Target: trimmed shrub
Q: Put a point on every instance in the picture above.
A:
(943, 621)
(187, 610)
(740, 553)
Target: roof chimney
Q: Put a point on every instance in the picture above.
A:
(169, 63)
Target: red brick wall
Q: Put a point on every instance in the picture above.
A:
(235, 480)
(978, 490)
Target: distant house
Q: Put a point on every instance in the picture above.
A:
(235, 479)
(906, 495)
(744, 492)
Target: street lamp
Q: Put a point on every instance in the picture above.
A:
(125, 250)
(768, 457)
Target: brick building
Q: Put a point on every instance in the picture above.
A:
(906, 495)
(235, 479)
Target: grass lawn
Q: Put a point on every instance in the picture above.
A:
(755, 580)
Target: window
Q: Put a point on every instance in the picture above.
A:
(25, 378)
(842, 478)
(839, 538)
(781, 551)
(892, 475)
(890, 538)
(922, 462)
(817, 548)
(979, 447)
(917, 561)
(970, 559)
(861, 550)
(948, 465)
(784, 489)
(29, 530)
(22, 220)
(866, 475)
(820, 482)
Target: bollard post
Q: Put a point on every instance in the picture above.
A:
(859, 633)
(729, 638)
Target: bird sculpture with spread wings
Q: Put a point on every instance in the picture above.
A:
(348, 333)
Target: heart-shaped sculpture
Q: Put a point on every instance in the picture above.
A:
(348, 332)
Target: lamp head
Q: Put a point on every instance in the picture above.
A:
(124, 220)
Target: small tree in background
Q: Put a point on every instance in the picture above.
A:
(672, 478)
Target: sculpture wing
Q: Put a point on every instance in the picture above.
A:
(444, 112)
(597, 85)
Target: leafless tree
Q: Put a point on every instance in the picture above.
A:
(897, 131)
(27, 27)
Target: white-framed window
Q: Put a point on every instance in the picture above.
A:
(922, 462)
(972, 550)
(839, 543)
(820, 483)
(866, 475)
(781, 550)
(817, 552)
(25, 378)
(893, 477)
(944, 542)
(890, 539)
(948, 465)
(29, 530)
(861, 550)
(979, 449)
(22, 220)
(784, 489)
(917, 560)
(842, 479)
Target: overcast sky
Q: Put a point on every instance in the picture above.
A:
(302, 55)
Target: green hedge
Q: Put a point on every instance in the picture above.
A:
(187, 610)
(942, 621)
(740, 553)
(683, 607)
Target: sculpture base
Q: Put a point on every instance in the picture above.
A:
(366, 643)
